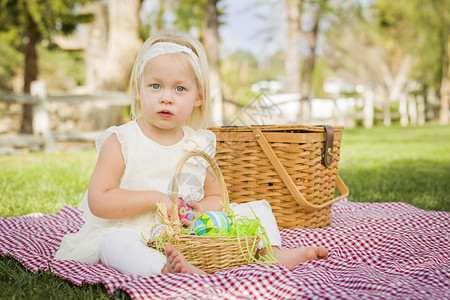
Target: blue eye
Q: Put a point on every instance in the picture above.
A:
(180, 88)
(155, 86)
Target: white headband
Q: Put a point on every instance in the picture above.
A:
(162, 48)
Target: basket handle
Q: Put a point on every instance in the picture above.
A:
(179, 167)
(287, 180)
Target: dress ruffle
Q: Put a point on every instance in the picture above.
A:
(102, 137)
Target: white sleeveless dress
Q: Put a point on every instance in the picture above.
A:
(148, 166)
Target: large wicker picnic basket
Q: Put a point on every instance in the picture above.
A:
(293, 167)
(209, 253)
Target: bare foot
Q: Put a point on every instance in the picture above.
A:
(291, 258)
(176, 263)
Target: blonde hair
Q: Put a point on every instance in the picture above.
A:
(200, 114)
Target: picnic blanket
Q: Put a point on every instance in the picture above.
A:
(377, 251)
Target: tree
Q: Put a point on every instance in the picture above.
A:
(238, 71)
(33, 22)
(122, 46)
(97, 38)
(300, 79)
(9, 60)
(443, 35)
(211, 43)
(426, 36)
(311, 37)
(375, 46)
(113, 43)
(293, 58)
(191, 16)
(316, 10)
(433, 49)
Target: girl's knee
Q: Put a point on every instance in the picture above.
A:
(116, 239)
(128, 254)
(116, 245)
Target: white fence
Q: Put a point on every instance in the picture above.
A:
(42, 136)
(343, 111)
(267, 109)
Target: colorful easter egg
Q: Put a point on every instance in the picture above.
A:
(156, 230)
(185, 211)
(212, 221)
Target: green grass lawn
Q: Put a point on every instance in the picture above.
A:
(398, 164)
(39, 182)
(409, 165)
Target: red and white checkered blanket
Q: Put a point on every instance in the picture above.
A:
(377, 251)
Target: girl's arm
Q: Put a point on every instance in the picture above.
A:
(213, 195)
(106, 200)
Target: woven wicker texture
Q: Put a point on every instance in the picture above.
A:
(249, 170)
(210, 254)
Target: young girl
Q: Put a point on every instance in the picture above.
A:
(137, 160)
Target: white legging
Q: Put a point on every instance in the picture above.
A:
(128, 253)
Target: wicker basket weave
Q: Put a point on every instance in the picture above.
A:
(208, 253)
(283, 164)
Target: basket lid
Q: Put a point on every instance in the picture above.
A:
(276, 128)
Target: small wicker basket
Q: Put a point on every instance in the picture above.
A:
(208, 253)
(294, 167)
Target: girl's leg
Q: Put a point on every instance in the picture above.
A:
(127, 253)
(290, 258)
(263, 211)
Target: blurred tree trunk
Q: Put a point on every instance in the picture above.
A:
(445, 86)
(97, 38)
(211, 43)
(306, 85)
(312, 41)
(122, 46)
(395, 84)
(292, 63)
(160, 17)
(31, 73)
(397, 87)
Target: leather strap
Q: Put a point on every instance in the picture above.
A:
(327, 152)
(287, 180)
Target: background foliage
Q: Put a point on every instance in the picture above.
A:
(385, 29)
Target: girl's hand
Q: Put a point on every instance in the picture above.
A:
(211, 203)
(187, 222)
(196, 208)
